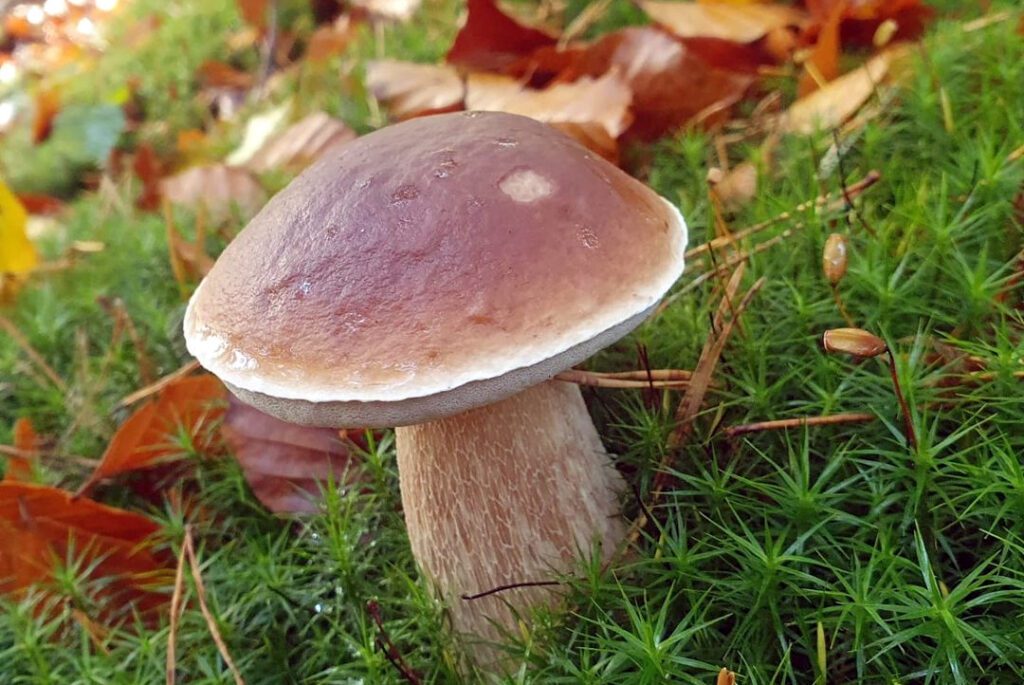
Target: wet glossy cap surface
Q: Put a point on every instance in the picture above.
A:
(435, 254)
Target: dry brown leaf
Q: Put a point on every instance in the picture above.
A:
(823, 63)
(286, 465)
(302, 144)
(254, 12)
(491, 40)
(146, 438)
(218, 188)
(603, 101)
(733, 22)
(734, 188)
(410, 89)
(47, 104)
(830, 106)
(148, 168)
(671, 85)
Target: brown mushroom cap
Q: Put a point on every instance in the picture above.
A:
(430, 267)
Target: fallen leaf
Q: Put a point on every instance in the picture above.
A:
(328, 41)
(18, 256)
(147, 168)
(823, 63)
(592, 136)
(88, 132)
(214, 74)
(862, 18)
(19, 467)
(47, 104)
(146, 438)
(830, 106)
(742, 23)
(286, 465)
(218, 188)
(603, 101)
(258, 130)
(670, 85)
(395, 10)
(735, 188)
(41, 527)
(40, 204)
(491, 40)
(411, 90)
(254, 12)
(302, 144)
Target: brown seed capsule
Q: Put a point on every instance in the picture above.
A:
(833, 258)
(855, 341)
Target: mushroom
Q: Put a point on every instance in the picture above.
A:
(435, 275)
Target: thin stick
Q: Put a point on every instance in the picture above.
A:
(211, 622)
(728, 264)
(159, 385)
(172, 631)
(908, 424)
(510, 586)
(388, 647)
(32, 354)
(827, 201)
(599, 380)
(782, 424)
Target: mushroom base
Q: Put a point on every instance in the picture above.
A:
(513, 492)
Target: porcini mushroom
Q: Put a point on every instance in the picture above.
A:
(435, 275)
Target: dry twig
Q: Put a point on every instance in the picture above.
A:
(782, 424)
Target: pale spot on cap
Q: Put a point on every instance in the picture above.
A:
(525, 185)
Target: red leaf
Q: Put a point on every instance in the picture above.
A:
(37, 203)
(254, 12)
(491, 40)
(671, 86)
(41, 526)
(188, 405)
(286, 465)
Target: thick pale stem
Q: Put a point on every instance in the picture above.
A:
(510, 493)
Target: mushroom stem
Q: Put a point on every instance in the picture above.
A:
(507, 494)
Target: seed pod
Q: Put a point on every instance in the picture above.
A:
(833, 258)
(855, 341)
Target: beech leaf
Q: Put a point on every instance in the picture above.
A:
(491, 40)
(410, 89)
(285, 464)
(302, 144)
(734, 22)
(219, 188)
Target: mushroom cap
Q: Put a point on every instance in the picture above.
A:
(431, 267)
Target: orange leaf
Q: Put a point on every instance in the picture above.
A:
(188, 405)
(823, 64)
(41, 526)
(328, 41)
(47, 106)
(286, 465)
(254, 12)
(491, 40)
(27, 441)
